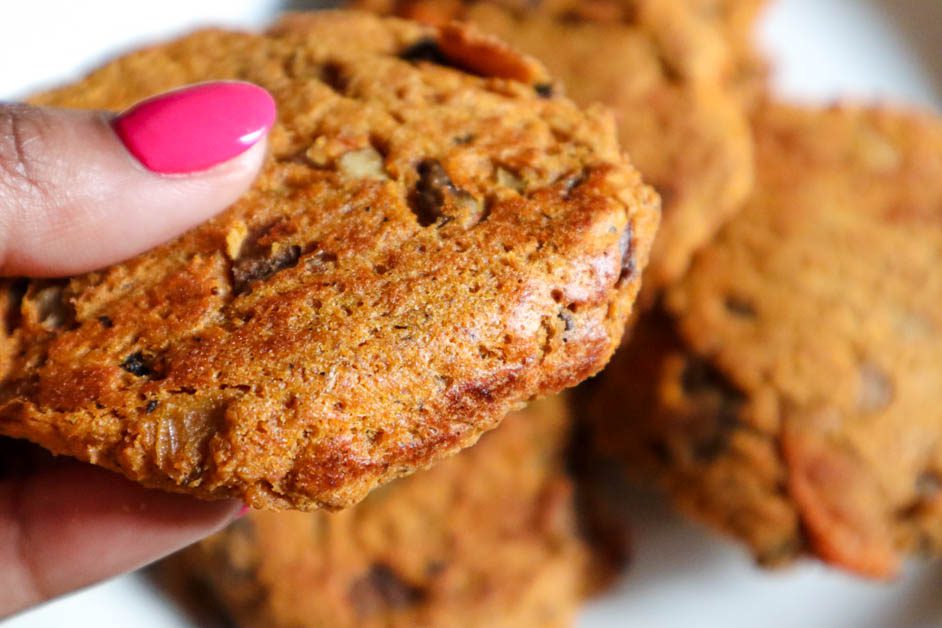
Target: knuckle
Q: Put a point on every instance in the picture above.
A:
(23, 142)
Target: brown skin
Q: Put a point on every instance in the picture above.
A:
(64, 524)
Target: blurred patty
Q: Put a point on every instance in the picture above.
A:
(788, 393)
(488, 538)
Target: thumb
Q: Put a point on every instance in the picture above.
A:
(83, 189)
(65, 524)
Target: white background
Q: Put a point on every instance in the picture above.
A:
(680, 576)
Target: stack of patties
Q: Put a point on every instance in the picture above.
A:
(437, 238)
(415, 553)
(496, 536)
(785, 391)
(781, 388)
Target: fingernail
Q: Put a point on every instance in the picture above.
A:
(242, 511)
(197, 127)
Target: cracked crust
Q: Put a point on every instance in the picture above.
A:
(789, 396)
(664, 70)
(488, 538)
(431, 242)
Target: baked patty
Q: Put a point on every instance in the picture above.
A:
(433, 240)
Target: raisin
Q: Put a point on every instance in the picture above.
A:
(334, 75)
(253, 268)
(437, 200)
(136, 364)
(425, 50)
(429, 195)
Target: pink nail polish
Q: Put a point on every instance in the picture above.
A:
(242, 511)
(197, 127)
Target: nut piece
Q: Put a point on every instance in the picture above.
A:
(365, 163)
(234, 239)
(486, 55)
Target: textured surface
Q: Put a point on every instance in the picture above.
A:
(425, 249)
(790, 395)
(488, 538)
(664, 68)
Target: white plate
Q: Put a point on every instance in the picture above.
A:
(680, 576)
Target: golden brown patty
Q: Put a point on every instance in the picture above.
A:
(485, 539)
(664, 70)
(790, 394)
(433, 239)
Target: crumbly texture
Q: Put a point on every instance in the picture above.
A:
(432, 241)
(664, 70)
(789, 395)
(488, 538)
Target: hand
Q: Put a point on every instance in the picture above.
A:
(80, 190)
